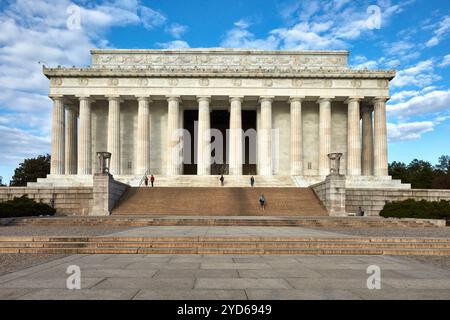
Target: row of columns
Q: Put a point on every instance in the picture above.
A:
(366, 144)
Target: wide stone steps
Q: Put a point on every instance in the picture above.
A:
(218, 201)
(227, 245)
(144, 221)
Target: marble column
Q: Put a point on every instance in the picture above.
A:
(84, 162)
(353, 137)
(235, 157)
(143, 136)
(114, 134)
(204, 137)
(181, 126)
(324, 134)
(265, 134)
(58, 139)
(367, 141)
(296, 136)
(71, 140)
(380, 138)
(173, 137)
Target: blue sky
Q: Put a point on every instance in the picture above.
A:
(411, 36)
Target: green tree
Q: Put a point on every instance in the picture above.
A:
(421, 174)
(31, 169)
(398, 170)
(443, 164)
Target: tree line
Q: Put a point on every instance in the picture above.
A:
(422, 174)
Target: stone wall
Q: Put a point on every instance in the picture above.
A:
(106, 193)
(332, 194)
(372, 201)
(66, 201)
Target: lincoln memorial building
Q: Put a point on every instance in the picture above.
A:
(206, 112)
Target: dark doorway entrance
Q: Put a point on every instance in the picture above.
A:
(189, 165)
(220, 120)
(249, 122)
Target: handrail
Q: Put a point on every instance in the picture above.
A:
(143, 178)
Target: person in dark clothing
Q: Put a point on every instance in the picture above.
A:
(360, 212)
(152, 180)
(252, 181)
(262, 202)
(146, 181)
(222, 179)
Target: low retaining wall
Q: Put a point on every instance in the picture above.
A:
(106, 193)
(332, 194)
(66, 201)
(372, 201)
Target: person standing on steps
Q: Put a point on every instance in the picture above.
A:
(146, 181)
(222, 179)
(262, 202)
(152, 180)
(252, 181)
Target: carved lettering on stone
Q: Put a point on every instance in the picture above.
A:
(113, 82)
(56, 81)
(173, 82)
(204, 82)
(237, 82)
(297, 83)
(83, 81)
(356, 83)
(143, 82)
(268, 82)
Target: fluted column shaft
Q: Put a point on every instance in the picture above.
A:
(58, 139)
(114, 134)
(367, 141)
(380, 138)
(353, 138)
(143, 136)
(71, 141)
(296, 136)
(181, 126)
(265, 134)
(85, 138)
(204, 137)
(324, 135)
(173, 137)
(235, 157)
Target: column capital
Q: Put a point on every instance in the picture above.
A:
(114, 98)
(143, 98)
(380, 99)
(325, 99)
(296, 98)
(56, 97)
(353, 99)
(85, 98)
(236, 98)
(266, 98)
(173, 98)
(204, 98)
(366, 108)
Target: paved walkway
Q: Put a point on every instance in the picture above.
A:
(227, 276)
(215, 231)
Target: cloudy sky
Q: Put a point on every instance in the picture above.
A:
(411, 36)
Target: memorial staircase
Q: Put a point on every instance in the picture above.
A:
(219, 201)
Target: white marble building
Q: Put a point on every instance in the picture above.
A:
(302, 104)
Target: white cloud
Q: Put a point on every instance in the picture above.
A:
(423, 104)
(176, 44)
(176, 30)
(240, 37)
(408, 131)
(420, 75)
(317, 25)
(442, 29)
(445, 61)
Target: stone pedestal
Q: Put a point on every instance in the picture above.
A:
(106, 193)
(335, 194)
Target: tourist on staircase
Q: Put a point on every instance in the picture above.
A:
(152, 180)
(146, 181)
(252, 181)
(262, 202)
(222, 179)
